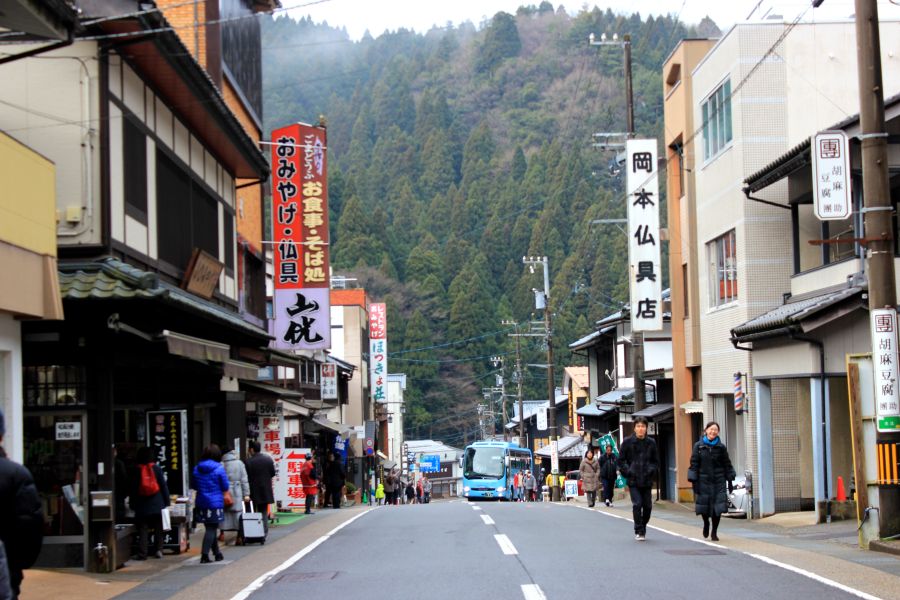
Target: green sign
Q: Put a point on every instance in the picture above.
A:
(889, 423)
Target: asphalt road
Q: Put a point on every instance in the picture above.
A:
(460, 550)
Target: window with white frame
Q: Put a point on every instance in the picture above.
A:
(723, 284)
(717, 121)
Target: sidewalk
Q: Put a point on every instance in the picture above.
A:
(158, 579)
(828, 550)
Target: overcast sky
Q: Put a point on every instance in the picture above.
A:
(420, 15)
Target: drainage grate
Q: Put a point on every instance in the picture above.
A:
(697, 552)
(301, 577)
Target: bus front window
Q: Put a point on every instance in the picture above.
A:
(484, 463)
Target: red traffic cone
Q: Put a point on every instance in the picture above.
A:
(841, 494)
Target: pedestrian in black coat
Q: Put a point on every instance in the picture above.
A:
(334, 480)
(261, 472)
(609, 470)
(21, 517)
(638, 463)
(148, 508)
(710, 472)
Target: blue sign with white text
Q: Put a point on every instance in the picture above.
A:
(430, 463)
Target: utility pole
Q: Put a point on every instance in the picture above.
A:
(497, 361)
(876, 199)
(637, 337)
(542, 300)
(517, 335)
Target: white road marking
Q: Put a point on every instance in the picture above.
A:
(765, 559)
(487, 519)
(476, 508)
(532, 591)
(505, 544)
(261, 580)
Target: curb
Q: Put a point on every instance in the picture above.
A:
(886, 547)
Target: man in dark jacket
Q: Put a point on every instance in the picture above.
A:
(22, 525)
(260, 472)
(638, 462)
(334, 480)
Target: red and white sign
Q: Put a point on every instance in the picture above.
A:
(302, 304)
(831, 175)
(329, 381)
(289, 489)
(884, 359)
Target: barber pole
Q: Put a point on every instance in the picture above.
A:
(738, 393)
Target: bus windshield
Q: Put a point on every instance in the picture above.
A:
(484, 463)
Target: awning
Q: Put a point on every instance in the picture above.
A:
(571, 446)
(196, 348)
(693, 407)
(617, 396)
(654, 412)
(240, 370)
(271, 390)
(338, 428)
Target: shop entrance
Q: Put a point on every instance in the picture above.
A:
(55, 453)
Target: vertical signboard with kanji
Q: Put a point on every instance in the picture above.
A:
(289, 489)
(300, 234)
(884, 360)
(271, 438)
(831, 175)
(329, 381)
(167, 431)
(378, 351)
(645, 275)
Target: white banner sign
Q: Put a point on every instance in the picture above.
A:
(645, 273)
(329, 382)
(831, 175)
(884, 361)
(542, 418)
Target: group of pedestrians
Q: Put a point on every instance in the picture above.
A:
(638, 461)
(525, 487)
(392, 489)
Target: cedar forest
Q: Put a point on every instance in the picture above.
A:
(453, 154)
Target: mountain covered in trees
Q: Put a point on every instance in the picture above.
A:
(455, 153)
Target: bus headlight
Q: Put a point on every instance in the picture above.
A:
(501, 489)
(467, 489)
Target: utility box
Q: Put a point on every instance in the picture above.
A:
(102, 508)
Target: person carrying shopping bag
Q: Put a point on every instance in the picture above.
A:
(148, 495)
(710, 472)
(213, 497)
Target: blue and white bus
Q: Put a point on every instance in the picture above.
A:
(489, 468)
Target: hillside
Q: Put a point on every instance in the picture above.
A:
(453, 155)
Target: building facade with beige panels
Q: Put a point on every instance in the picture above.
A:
(757, 104)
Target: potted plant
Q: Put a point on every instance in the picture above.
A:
(351, 492)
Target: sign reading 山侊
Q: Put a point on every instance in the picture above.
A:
(378, 351)
(831, 175)
(300, 233)
(884, 361)
(645, 274)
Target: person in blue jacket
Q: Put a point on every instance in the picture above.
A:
(211, 483)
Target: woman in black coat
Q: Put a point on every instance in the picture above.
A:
(710, 473)
(148, 507)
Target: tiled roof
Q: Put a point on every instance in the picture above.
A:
(112, 279)
(791, 314)
(571, 446)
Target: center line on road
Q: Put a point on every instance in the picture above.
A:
(487, 519)
(505, 544)
(532, 591)
(476, 508)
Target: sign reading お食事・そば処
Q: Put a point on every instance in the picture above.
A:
(645, 274)
(300, 234)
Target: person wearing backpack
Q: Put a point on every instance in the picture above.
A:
(148, 496)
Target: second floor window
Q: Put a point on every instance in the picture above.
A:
(722, 253)
(717, 121)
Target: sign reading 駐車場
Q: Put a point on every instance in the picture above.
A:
(302, 304)
(645, 274)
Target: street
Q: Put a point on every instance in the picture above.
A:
(488, 550)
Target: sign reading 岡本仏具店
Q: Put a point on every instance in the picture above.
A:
(884, 361)
(329, 381)
(831, 175)
(645, 274)
(302, 302)
(378, 351)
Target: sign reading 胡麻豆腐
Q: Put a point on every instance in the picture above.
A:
(329, 381)
(831, 175)
(884, 362)
(302, 302)
(645, 274)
